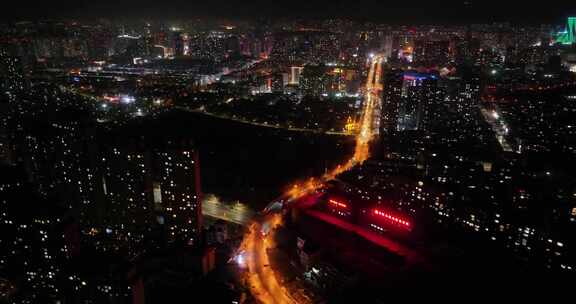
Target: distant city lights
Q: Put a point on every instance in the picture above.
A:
(127, 99)
(404, 130)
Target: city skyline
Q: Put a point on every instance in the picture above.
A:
(286, 155)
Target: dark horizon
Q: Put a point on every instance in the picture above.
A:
(416, 12)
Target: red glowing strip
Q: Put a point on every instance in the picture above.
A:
(338, 204)
(392, 218)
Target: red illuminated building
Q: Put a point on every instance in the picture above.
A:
(391, 219)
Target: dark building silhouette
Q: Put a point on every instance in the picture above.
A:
(391, 99)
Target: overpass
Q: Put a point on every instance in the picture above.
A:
(236, 213)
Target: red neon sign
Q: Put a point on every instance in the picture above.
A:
(337, 204)
(392, 218)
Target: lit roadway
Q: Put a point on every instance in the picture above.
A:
(235, 213)
(261, 124)
(265, 284)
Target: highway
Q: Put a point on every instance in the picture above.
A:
(366, 132)
(237, 213)
(265, 284)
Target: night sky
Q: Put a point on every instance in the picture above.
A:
(403, 12)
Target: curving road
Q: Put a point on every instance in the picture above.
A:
(265, 284)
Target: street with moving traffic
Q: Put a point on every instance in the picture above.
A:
(264, 283)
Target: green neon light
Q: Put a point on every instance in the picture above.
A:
(568, 36)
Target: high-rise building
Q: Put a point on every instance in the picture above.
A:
(11, 82)
(11, 74)
(295, 72)
(177, 178)
(180, 43)
(467, 50)
(99, 44)
(431, 53)
(124, 194)
(277, 85)
(74, 48)
(387, 46)
(314, 80)
(126, 210)
(5, 146)
(31, 242)
(569, 34)
(150, 190)
(470, 85)
(232, 46)
(407, 100)
(127, 45)
(432, 95)
(391, 99)
(413, 106)
(419, 93)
